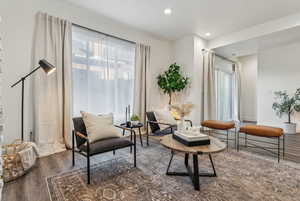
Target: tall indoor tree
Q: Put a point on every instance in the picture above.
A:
(287, 104)
(172, 81)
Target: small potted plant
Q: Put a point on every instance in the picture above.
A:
(135, 119)
(287, 104)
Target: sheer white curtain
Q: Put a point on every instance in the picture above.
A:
(225, 89)
(103, 73)
(52, 126)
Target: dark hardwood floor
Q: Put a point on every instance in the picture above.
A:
(33, 187)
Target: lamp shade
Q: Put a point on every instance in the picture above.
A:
(46, 66)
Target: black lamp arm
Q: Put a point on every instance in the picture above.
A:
(23, 78)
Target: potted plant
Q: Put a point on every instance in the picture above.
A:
(135, 119)
(287, 104)
(172, 81)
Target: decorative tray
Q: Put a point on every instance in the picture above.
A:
(190, 138)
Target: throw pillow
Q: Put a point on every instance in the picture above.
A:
(164, 116)
(99, 127)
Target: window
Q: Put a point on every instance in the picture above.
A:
(224, 79)
(103, 73)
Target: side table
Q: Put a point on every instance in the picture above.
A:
(138, 126)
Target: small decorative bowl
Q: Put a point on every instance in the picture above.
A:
(134, 123)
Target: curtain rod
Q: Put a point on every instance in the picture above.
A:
(203, 50)
(80, 26)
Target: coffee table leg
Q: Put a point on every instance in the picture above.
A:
(172, 154)
(194, 175)
(186, 159)
(212, 164)
(213, 174)
(196, 172)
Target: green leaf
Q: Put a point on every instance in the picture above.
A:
(135, 117)
(172, 80)
(285, 103)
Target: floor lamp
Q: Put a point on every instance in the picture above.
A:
(48, 68)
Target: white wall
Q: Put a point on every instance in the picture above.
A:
(256, 31)
(188, 54)
(184, 52)
(249, 87)
(18, 26)
(197, 73)
(278, 69)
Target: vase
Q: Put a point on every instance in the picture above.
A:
(289, 128)
(181, 124)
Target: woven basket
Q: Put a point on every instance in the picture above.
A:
(12, 165)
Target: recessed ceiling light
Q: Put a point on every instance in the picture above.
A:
(168, 11)
(207, 34)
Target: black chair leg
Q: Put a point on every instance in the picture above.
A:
(134, 159)
(88, 170)
(227, 139)
(235, 138)
(283, 146)
(278, 149)
(131, 141)
(147, 132)
(140, 133)
(238, 141)
(134, 149)
(114, 152)
(88, 164)
(73, 148)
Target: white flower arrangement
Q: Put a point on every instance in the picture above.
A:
(182, 110)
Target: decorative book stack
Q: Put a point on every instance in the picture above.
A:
(191, 138)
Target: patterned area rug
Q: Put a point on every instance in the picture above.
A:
(241, 177)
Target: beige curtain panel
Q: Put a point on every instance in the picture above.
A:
(142, 63)
(52, 94)
(208, 110)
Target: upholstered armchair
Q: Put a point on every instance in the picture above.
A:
(87, 149)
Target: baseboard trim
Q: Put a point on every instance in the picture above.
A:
(249, 121)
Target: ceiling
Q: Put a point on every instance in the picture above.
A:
(192, 16)
(253, 46)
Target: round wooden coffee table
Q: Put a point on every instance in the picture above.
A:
(215, 146)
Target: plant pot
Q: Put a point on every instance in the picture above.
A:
(289, 128)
